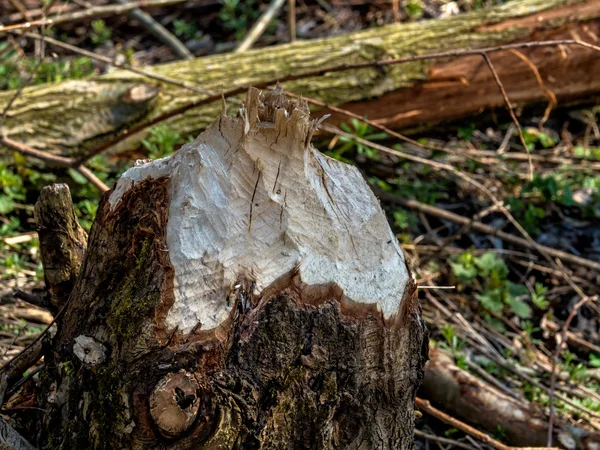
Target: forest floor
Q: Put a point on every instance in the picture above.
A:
(496, 295)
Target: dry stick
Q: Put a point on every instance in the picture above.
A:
(488, 61)
(561, 339)
(547, 92)
(502, 362)
(90, 13)
(124, 66)
(56, 160)
(465, 177)
(19, 7)
(87, 173)
(291, 4)
(260, 26)
(14, 340)
(485, 438)
(396, 10)
(486, 229)
(50, 8)
(60, 161)
(441, 440)
(314, 73)
(159, 32)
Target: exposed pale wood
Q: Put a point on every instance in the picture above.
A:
(218, 290)
(416, 93)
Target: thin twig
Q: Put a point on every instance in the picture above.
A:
(90, 13)
(124, 66)
(488, 61)
(260, 26)
(561, 339)
(552, 102)
(486, 229)
(21, 329)
(56, 160)
(159, 32)
(441, 440)
(87, 173)
(291, 22)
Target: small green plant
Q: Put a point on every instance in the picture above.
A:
(184, 29)
(14, 73)
(538, 296)
(414, 9)
(487, 276)
(11, 189)
(238, 15)
(404, 219)
(576, 371)
(360, 130)
(533, 136)
(100, 32)
(453, 345)
(592, 153)
(466, 132)
(162, 141)
(594, 360)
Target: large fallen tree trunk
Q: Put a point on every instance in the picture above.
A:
(244, 293)
(74, 116)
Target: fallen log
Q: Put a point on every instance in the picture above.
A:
(246, 292)
(75, 116)
(474, 401)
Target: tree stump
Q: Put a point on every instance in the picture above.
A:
(246, 292)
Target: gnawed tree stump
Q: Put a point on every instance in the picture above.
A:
(245, 293)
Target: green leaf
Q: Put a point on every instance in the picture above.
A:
(463, 272)
(77, 177)
(7, 204)
(490, 302)
(489, 262)
(594, 360)
(520, 308)
(516, 290)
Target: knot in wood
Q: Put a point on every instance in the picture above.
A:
(174, 403)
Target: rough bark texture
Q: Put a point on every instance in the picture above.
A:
(406, 95)
(291, 365)
(62, 242)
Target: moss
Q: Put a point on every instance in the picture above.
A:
(38, 106)
(133, 302)
(67, 368)
(109, 412)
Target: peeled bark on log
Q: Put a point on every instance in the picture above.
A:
(478, 403)
(94, 110)
(246, 292)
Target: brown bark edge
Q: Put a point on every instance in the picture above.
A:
(297, 367)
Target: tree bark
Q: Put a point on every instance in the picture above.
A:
(62, 242)
(246, 292)
(94, 110)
